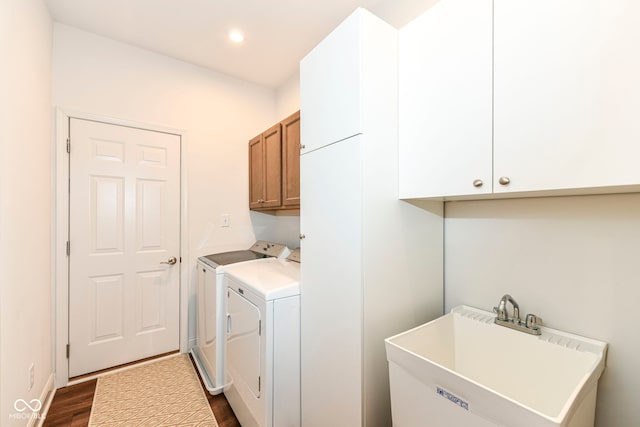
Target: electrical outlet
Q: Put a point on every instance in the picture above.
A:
(224, 220)
(32, 375)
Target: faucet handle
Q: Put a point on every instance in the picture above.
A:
(531, 321)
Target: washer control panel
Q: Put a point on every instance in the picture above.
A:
(270, 249)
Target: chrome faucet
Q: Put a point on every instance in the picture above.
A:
(530, 325)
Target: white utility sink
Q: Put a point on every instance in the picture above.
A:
(463, 370)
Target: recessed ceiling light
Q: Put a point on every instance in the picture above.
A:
(236, 36)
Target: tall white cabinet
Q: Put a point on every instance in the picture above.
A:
(372, 263)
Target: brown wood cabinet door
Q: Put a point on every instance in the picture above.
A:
(291, 160)
(256, 172)
(272, 153)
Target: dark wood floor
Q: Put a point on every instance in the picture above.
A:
(71, 407)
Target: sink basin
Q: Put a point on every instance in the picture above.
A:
(463, 370)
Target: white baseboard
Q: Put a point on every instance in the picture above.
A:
(46, 397)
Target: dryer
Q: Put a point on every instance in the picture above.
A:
(210, 321)
(263, 341)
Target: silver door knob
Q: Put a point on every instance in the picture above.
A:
(504, 180)
(302, 236)
(477, 183)
(170, 261)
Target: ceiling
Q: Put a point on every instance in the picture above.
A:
(278, 33)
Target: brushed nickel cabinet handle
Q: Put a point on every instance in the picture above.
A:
(477, 183)
(504, 180)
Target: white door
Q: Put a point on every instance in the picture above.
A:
(331, 297)
(445, 101)
(332, 71)
(243, 344)
(566, 94)
(124, 231)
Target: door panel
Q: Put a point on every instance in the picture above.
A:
(150, 307)
(151, 195)
(243, 343)
(106, 305)
(107, 214)
(124, 223)
(272, 141)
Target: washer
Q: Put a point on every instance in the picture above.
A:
(263, 341)
(209, 351)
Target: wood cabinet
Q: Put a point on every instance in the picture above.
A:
(274, 167)
(291, 160)
(372, 263)
(265, 169)
(558, 116)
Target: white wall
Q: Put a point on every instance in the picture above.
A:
(574, 261)
(283, 229)
(288, 97)
(220, 114)
(25, 204)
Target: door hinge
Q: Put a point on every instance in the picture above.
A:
(68, 347)
(258, 383)
(68, 248)
(68, 145)
(259, 327)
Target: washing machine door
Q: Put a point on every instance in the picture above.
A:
(243, 343)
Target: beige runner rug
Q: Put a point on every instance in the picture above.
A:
(163, 393)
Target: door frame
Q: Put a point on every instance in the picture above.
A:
(60, 233)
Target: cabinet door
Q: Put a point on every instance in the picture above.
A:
(566, 94)
(256, 172)
(330, 87)
(445, 101)
(243, 343)
(272, 167)
(265, 173)
(291, 160)
(331, 285)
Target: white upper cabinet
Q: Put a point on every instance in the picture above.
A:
(553, 109)
(330, 87)
(445, 101)
(567, 94)
(341, 78)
